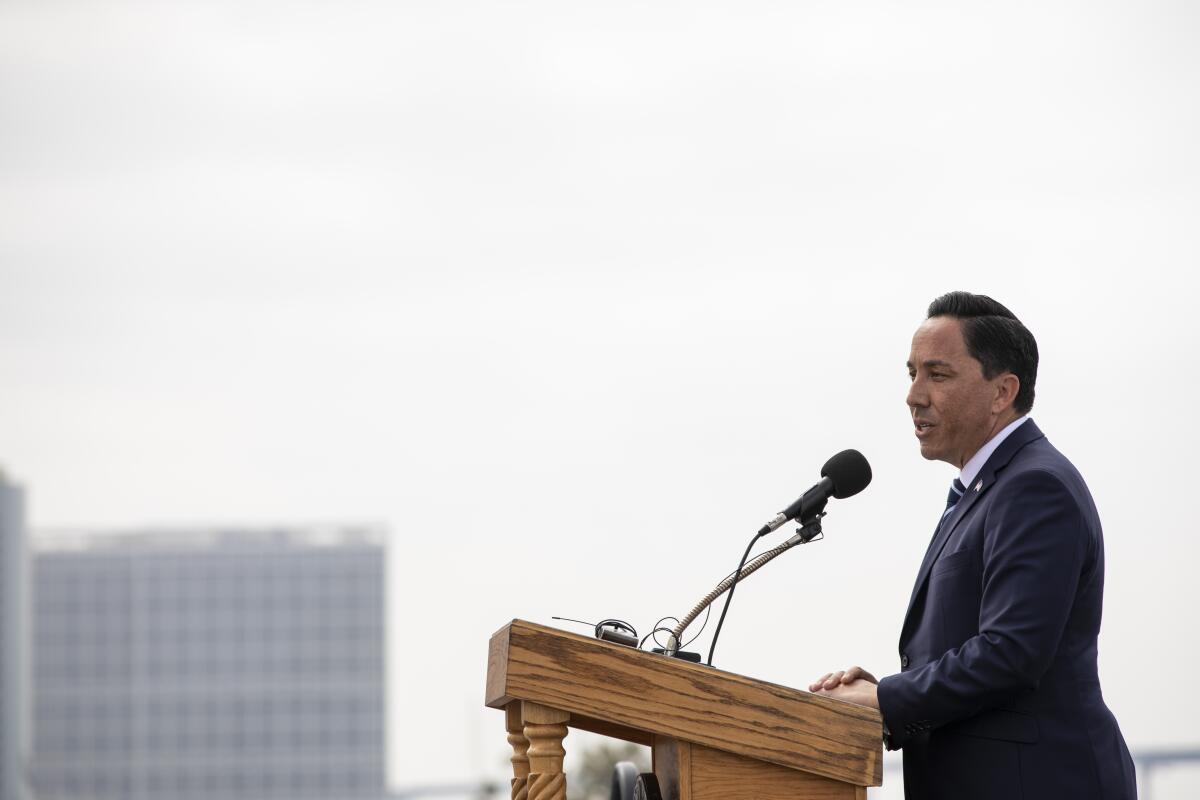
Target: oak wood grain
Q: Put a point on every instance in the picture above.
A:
(545, 729)
(692, 772)
(717, 775)
(671, 761)
(497, 666)
(632, 693)
(520, 746)
(614, 730)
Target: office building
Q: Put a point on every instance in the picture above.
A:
(231, 664)
(14, 641)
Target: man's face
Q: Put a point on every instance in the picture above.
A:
(953, 406)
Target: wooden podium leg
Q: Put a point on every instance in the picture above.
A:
(545, 728)
(520, 746)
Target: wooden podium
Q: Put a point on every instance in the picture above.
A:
(714, 735)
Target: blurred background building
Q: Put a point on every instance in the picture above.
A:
(14, 640)
(221, 663)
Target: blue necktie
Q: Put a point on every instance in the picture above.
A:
(957, 490)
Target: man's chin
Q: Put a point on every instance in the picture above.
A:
(928, 452)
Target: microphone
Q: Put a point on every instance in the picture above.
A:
(844, 475)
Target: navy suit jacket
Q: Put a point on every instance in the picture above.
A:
(998, 696)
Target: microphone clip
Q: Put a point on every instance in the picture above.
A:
(810, 530)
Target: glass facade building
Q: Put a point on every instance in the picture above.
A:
(14, 641)
(232, 664)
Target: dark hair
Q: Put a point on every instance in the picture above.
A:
(995, 338)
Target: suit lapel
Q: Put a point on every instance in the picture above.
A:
(942, 534)
(1022, 436)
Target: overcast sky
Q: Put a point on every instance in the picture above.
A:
(573, 297)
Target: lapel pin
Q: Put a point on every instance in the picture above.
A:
(979, 486)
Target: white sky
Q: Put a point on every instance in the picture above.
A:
(573, 297)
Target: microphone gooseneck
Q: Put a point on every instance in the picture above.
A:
(754, 565)
(844, 475)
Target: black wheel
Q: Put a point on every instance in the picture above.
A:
(647, 787)
(624, 779)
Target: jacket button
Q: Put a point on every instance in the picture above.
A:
(904, 661)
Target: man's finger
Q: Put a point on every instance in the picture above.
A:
(858, 673)
(853, 674)
(812, 687)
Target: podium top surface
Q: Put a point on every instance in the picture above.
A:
(634, 695)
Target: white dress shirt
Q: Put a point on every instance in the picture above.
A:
(976, 462)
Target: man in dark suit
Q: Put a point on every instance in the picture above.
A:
(998, 696)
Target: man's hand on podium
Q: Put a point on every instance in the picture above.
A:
(854, 685)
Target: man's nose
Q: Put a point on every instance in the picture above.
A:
(917, 397)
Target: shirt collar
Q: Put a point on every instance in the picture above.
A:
(976, 462)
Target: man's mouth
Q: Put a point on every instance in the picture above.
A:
(922, 427)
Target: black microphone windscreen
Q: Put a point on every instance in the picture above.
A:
(849, 472)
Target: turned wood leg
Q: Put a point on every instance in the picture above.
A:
(545, 728)
(520, 746)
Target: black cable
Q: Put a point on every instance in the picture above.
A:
(651, 635)
(658, 627)
(703, 625)
(737, 573)
(615, 623)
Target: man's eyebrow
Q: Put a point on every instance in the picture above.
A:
(933, 362)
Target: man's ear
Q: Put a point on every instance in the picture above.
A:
(1007, 387)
